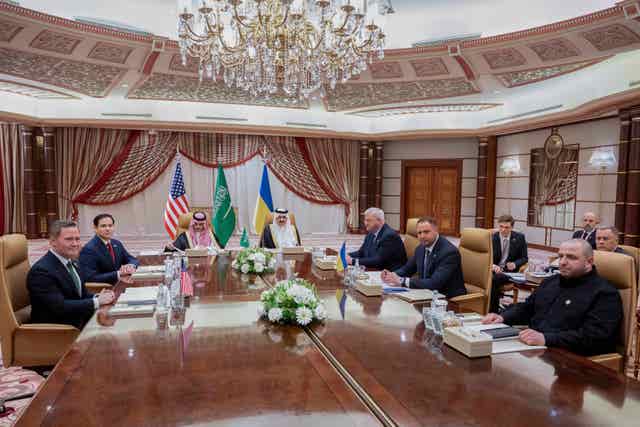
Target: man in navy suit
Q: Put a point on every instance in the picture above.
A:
(607, 240)
(382, 248)
(590, 222)
(56, 288)
(104, 259)
(437, 262)
(509, 255)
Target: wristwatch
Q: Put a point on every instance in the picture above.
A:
(405, 282)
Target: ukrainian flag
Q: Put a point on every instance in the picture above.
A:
(342, 258)
(264, 204)
(341, 297)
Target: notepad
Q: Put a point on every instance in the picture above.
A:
(150, 268)
(125, 309)
(513, 345)
(415, 295)
(139, 296)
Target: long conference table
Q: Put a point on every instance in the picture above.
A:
(370, 363)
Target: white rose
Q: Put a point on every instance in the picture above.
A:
(258, 267)
(259, 257)
(272, 263)
(321, 312)
(245, 268)
(304, 315)
(275, 314)
(251, 257)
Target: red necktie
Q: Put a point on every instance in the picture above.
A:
(113, 254)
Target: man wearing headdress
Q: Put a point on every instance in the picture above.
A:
(198, 235)
(280, 234)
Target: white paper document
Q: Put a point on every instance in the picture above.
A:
(149, 253)
(512, 345)
(150, 269)
(138, 295)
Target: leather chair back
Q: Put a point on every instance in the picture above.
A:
(15, 306)
(634, 252)
(476, 253)
(410, 244)
(412, 227)
(620, 271)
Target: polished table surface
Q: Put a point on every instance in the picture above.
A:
(371, 362)
(231, 369)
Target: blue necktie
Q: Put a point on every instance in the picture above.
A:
(425, 265)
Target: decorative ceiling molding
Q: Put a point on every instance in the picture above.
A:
(32, 91)
(554, 49)
(110, 52)
(359, 95)
(429, 67)
(8, 30)
(83, 77)
(171, 87)
(504, 58)
(525, 77)
(385, 70)
(14, 9)
(424, 109)
(611, 37)
(53, 41)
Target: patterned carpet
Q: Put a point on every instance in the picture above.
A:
(16, 381)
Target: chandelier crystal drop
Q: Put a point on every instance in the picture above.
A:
(264, 46)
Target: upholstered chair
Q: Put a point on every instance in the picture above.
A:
(476, 252)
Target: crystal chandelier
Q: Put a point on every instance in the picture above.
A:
(263, 46)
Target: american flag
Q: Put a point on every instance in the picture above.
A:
(177, 202)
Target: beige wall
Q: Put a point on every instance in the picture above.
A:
(515, 191)
(396, 151)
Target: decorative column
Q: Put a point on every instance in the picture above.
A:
(486, 187)
(30, 184)
(623, 167)
(628, 183)
(363, 199)
(49, 177)
(377, 159)
(632, 207)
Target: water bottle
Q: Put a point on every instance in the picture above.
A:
(162, 300)
(177, 299)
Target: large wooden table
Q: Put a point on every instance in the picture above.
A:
(371, 364)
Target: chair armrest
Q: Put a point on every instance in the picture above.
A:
(613, 361)
(96, 287)
(42, 344)
(467, 297)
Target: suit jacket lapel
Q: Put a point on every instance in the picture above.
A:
(64, 274)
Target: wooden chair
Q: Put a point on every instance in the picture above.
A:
(24, 343)
(476, 252)
(410, 239)
(620, 271)
(512, 287)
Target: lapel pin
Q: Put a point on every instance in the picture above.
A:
(567, 302)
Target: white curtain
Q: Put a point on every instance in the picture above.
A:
(141, 215)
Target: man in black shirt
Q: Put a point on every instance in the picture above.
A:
(576, 310)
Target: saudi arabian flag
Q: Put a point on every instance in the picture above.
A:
(224, 219)
(244, 240)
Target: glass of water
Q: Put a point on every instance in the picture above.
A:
(427, 317)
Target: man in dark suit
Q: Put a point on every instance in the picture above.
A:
(590, 222)
(509, 254)
(104, 259)
(607, 240)
(382, 248)
(577, 309)
(436, 261)
(56, 288)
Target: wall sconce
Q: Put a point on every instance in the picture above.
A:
(510, 166)
(603, 158)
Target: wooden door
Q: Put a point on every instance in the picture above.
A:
(432, 188)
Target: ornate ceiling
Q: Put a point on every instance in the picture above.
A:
(84, 60)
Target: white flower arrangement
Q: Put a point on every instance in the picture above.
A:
(292, 301)
(254, 260)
